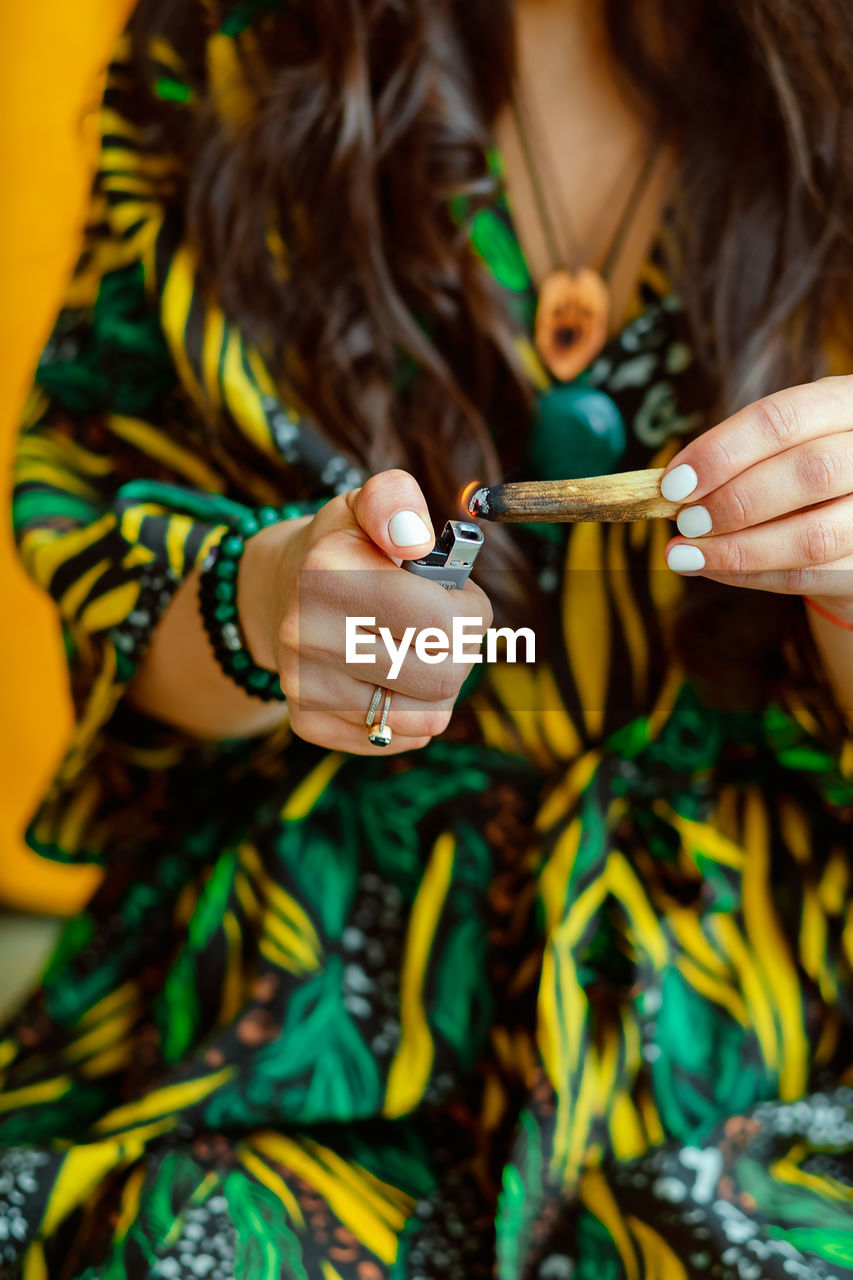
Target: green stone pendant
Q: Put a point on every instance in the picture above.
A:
(577, 431)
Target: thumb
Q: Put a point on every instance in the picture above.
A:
(392, 511)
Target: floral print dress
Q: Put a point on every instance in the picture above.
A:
(565, 994)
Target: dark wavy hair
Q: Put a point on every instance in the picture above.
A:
(369, 115)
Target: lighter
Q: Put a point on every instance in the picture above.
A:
(452, 558)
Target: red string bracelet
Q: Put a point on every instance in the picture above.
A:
(830, 617)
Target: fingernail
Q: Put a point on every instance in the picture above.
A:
(684, 559)
(407, 529)
(694, 521)
(678, 483)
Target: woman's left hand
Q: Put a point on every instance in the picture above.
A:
(769, 496)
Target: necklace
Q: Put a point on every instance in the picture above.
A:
(573, 307)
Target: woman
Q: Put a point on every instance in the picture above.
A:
(556, 984)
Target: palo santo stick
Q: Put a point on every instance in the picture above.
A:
(627, 495)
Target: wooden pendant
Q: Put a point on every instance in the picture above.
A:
(571, 320)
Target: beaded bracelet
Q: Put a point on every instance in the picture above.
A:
(218, 602)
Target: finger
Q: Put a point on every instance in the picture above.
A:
(819, 536)
(399, 666)
(359, 648)
(396, 599)
(799, 477)
(392, 511)
(834, 580)
(333, 693)
(343, 611)
(769, 426)
(425, 685)
(329, 731)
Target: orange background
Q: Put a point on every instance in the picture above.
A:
(51, 58)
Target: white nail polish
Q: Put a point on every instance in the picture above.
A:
(684, 559)
(677, 484)
(407, 529)
(693, 522)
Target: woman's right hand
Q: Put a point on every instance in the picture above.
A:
(300, 580)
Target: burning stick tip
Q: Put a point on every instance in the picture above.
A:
(478, 503)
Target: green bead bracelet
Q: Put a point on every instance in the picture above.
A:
(218, 601)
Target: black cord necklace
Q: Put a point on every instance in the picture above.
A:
(573, 307)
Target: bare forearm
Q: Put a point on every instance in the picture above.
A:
(835, 646)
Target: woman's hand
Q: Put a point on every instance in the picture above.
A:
(769, 496)
(300, 580)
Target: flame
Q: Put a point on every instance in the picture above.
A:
(466, 495)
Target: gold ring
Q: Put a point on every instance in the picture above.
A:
(378, 734)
